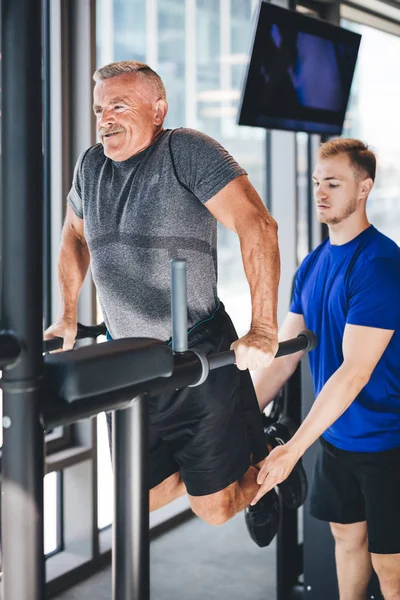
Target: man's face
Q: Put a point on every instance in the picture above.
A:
(337, 191)
(128, 115)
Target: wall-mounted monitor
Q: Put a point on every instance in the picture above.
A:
(300, 73)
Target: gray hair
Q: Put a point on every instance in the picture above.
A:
(132, 66)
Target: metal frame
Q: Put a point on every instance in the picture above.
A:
(390, 10)
(47, 312)
(356, 14)
(371, 13)
(72, 129)
(77, 443)
(22, 173)
(131, 557)
(289, 547)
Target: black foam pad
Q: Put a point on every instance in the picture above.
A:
(103, 368)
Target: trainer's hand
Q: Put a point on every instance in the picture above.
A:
(276, 468)
(256, 349)
(64, 328)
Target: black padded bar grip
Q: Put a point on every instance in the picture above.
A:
(84, 331)
(306, 340)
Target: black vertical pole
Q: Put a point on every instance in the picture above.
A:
(289, 561)
(131, 555)
(47, 308)
(22, 190)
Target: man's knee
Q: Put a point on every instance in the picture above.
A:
(351, 537)
(218, 508)
(387, 567)
(390, 588)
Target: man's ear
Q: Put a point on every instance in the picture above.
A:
(160, 111)
(366, 187)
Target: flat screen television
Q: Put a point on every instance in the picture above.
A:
(300, 73)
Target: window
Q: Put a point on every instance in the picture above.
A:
(223, 41)
(105, 497)
(52, 517)
(372, 116)
(303, 187)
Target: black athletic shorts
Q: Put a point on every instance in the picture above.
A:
(350, 487)
(211, 433)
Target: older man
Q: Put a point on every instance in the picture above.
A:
(140, 197)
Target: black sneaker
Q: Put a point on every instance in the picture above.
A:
(294, 489)
(262, 519)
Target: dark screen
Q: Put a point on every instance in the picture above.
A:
(300, 73)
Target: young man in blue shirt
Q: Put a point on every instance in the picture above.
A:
(348, 292)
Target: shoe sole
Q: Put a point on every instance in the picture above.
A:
(295, 488)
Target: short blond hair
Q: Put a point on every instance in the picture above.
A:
(362, 159)
(132, 66)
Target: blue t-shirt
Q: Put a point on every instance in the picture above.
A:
(356, 283)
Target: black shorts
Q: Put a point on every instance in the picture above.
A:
(211, 433)
(350, 487)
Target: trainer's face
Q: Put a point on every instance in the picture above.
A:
(129, 115)
(338, 193)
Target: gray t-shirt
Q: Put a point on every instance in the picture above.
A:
(139, 214)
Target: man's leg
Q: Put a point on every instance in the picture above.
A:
(166, 491)
(213, 434)
(387, 567)
(217, 508)
(380, 479)
(214, 509)
(353, 561)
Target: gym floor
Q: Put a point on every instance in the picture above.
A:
(195, 561)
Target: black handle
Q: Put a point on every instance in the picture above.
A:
(84, 331)
(306, 340)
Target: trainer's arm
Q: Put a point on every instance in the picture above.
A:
(72, 268)
(267, 382)
(362, 349)
(239, 207)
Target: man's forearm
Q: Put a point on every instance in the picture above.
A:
(335, 397)
(267, 382)
(260, 254)
(72, 268)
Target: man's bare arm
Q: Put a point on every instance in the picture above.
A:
(240, 209)
(362, 349)
(267, 382)
(72, 268)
